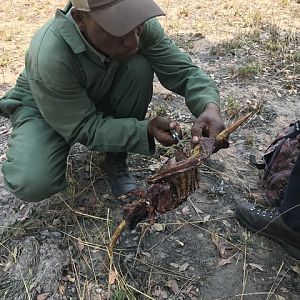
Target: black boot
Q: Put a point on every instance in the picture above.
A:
(269, 222)
(119, 177)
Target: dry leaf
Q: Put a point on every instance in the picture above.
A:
(226, 223)
(224, 261)
(284, 290)
(163, 159)
(296, 269)
(42, 296)
(222, 250)
(163, 255)
(188, 291)
(61, 288)
(80, 245)
(169, 97)
(198, 210)
(158, 227)
(215, 239)
(7, 265)
(159, 293)
(147, 254)
(180, 243)
(24, 214)
(184, 267)
(112, 277)
(70, 278)
(5, 131)
(176, 266)
(106, 196)
(56, 222)
(185, 210)
(256, 266)
(173, 285)
(220, 247)
(206, 218)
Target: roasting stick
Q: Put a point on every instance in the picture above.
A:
(224, 135)
(110, 249)
(115, 237)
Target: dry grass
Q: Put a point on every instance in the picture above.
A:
(217, 20)
(227, 26)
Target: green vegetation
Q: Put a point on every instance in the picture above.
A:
(248, 70)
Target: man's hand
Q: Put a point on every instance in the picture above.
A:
(209, 123)
(159, 128)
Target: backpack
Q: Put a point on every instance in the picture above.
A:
(278, 162)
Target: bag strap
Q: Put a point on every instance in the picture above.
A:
(260, 165)
(296, 130)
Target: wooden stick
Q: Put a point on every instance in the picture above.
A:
(227, 131)
(223, 135)
(114, 239)
(196, 152)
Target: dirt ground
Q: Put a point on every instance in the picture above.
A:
(55, 249)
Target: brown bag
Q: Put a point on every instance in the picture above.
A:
(278, 162)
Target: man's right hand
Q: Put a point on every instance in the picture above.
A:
(159, 128)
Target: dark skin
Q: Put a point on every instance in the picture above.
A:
(118, 48)
(209, 123)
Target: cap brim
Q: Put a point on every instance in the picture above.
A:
(124, 16)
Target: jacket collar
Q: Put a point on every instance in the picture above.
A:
(69, 32)
(73, 37)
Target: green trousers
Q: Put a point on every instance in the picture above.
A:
(35, 167)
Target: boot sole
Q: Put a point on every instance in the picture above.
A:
(288, 247)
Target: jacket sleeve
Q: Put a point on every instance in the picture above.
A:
(175, 70)
(67, 108)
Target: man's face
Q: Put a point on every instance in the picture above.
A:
(118, 48)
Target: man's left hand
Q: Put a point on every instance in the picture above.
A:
(209, 123)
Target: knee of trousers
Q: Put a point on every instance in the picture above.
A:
(32, 187)
(139, 71)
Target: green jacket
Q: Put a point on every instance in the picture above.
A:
(59, 79)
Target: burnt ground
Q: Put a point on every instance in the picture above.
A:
(55, 249)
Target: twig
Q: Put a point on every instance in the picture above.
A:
(245, 274)
(226, 132)
(273, 290)
(80, 213)
(114, 239)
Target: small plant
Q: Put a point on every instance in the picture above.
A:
(285, 2)
(159, 110)
(232, 106)
(247, 71)
(249, 140)
(294, 57)
(119, 294)
(273, 45)
(4, 60)
(253, 19)
(184, 12)
(225, 48)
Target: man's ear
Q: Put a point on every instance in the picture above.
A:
(79, 18)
